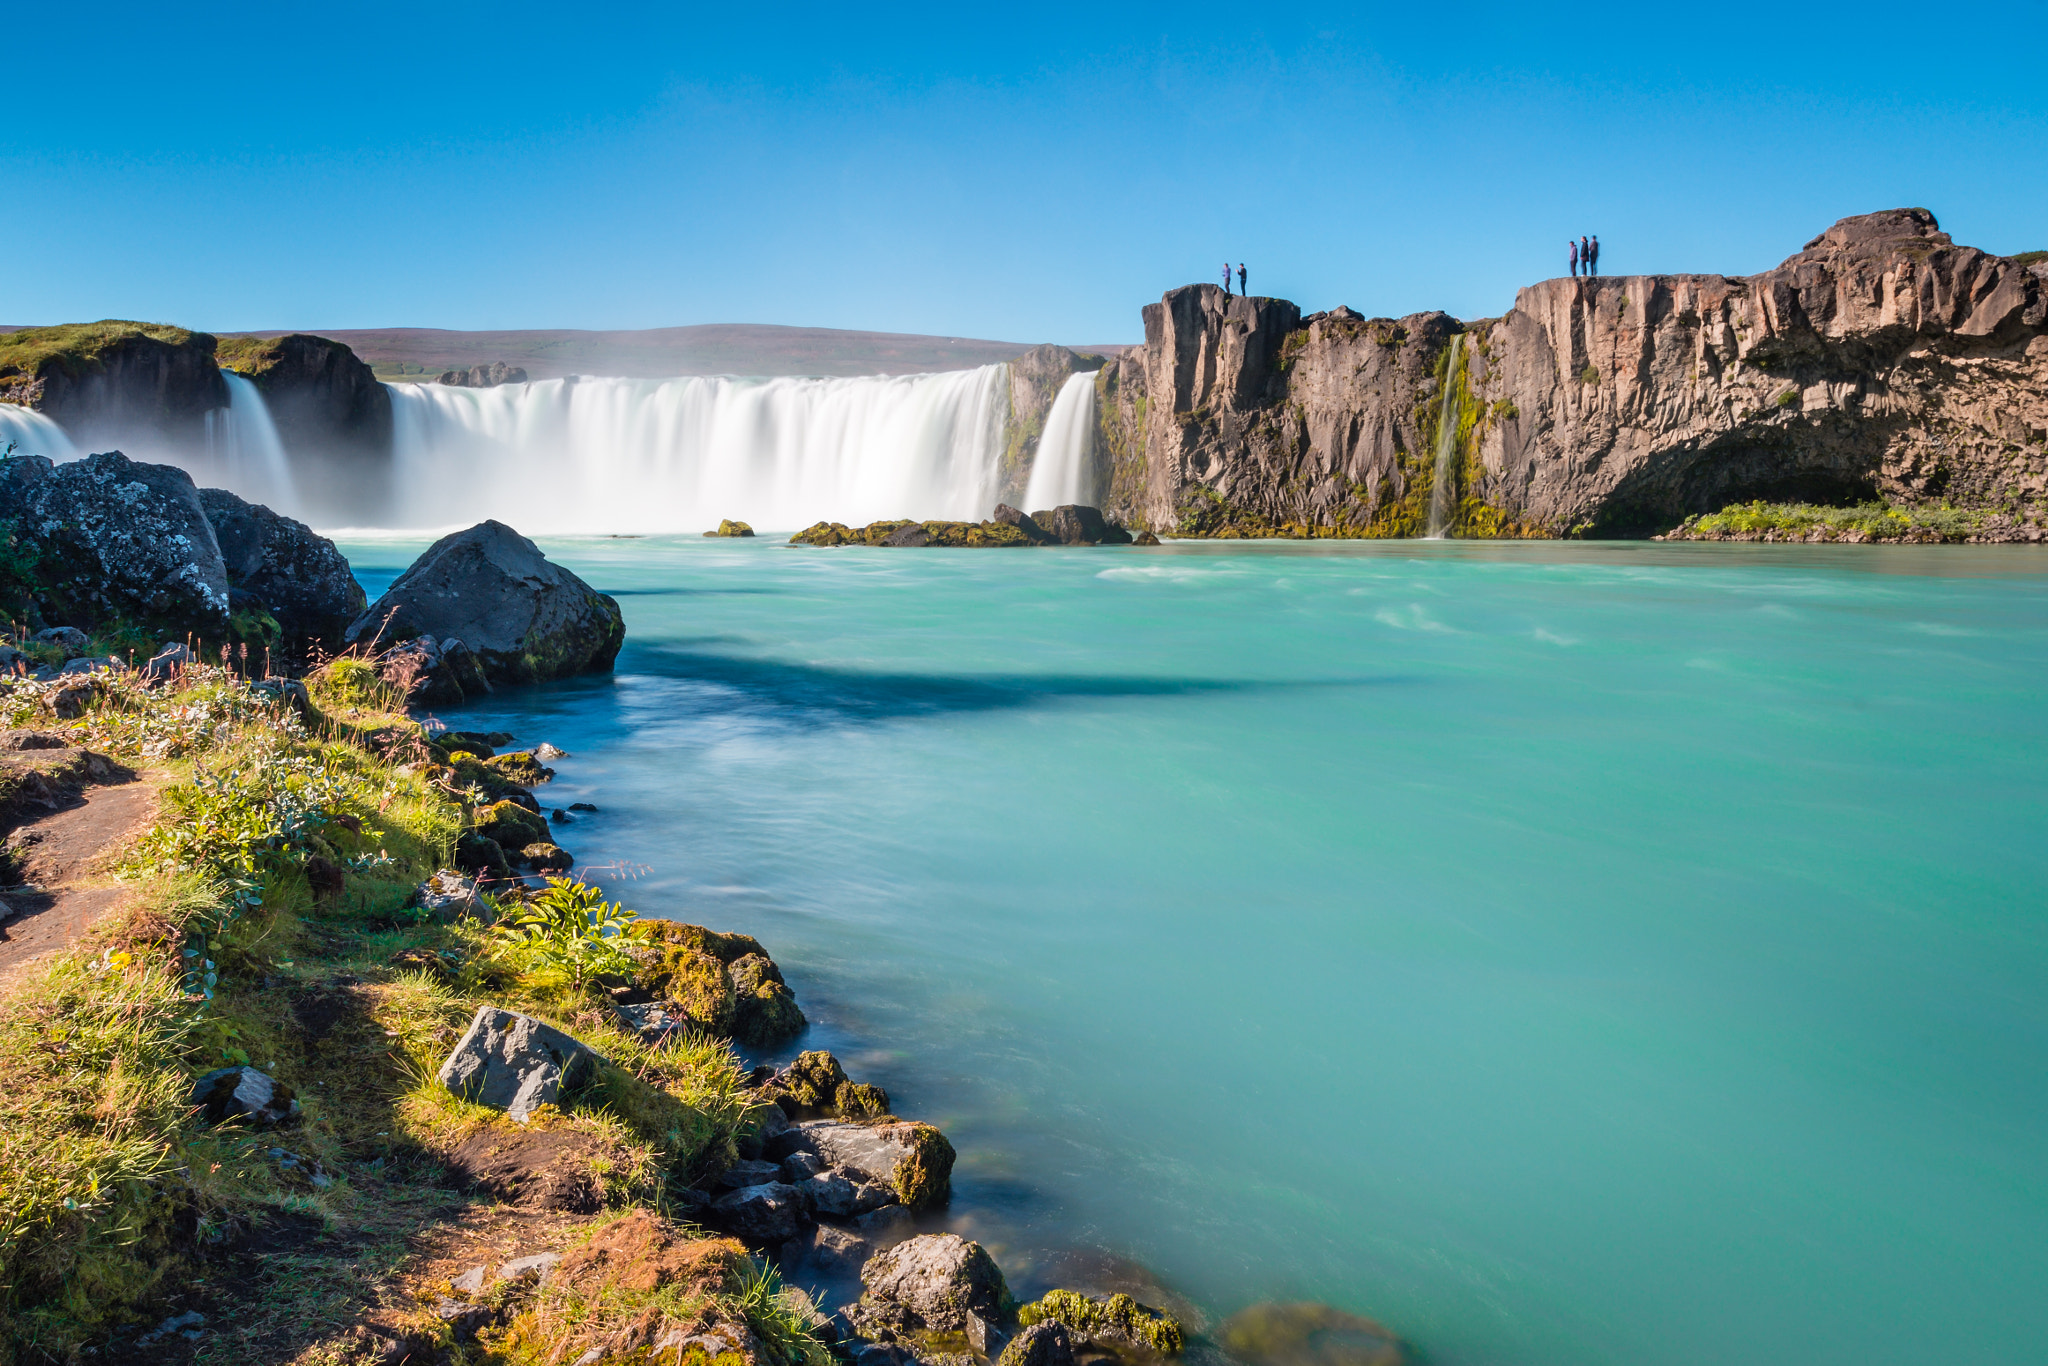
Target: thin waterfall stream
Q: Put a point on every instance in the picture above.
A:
(1441, 499)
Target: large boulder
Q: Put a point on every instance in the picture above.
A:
(930, 1284)
(299, 577)
(515, 1063)
(1074, 524)
(117, 538)
(1115, 1322)
(912, 1159)
(767, 1213)
(526, 619)
(724, 983)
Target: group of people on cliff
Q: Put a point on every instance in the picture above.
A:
(1584, 252)
(1240, 280)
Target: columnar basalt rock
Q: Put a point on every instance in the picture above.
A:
(1881, 360)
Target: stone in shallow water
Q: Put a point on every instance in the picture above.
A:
(1308, 1334)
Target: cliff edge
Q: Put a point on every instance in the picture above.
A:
(1882, 360)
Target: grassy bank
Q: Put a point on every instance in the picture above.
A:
(1810, 521)
(269, 923)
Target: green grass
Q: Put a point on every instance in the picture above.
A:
(1871, 521)
(2028, 258)
(77, 346)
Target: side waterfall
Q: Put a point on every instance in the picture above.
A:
(243, 446)
(1064, 469)
(34, 434)
(1442, 500)
(642, 455)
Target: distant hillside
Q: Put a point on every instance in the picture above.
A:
(712, 349)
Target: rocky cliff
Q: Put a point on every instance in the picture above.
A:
(108, 382)
(1036, 378)
(1882, 360)
(331, 412)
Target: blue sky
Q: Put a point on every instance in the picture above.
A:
(1019, 172)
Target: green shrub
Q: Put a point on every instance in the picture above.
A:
(1590, 375)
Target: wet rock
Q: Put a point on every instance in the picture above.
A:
(767, 1213)
(834, 1193)
(910, 1158)
(1145, 538)
(828, 1250)
(1010, 516)
(546, 857)
(528, 620)
(930, 1283)
(801, 1167)
(483, 376)
(585, 807)
(728, 527)
(859, 1100)
(744, 1173)
(1041, 1344)
(1117, 1322)
(515, 1063)
(887, 1226)
(1308, 1334)
(547, 753)
(242, 1094)
(1074, 524)
(300, 577)
(522, 767)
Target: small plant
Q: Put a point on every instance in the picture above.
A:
(571, 929)
(1788, 398)
(1590, 375)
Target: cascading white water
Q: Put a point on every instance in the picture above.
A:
(33, 434)
(1441, 495)
(248, 457)
(638, 455)
(1065, 467)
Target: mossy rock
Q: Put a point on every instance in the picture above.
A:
(696, 984)
(725, 948)
(476, 853)
(520, 767)
(476, 776)
(766, 1011)
(511, 825)
(813, 1079)
(728, 527)
(924, 1175)
(1308, 1334)
(859, 1100)
(1119, 1322)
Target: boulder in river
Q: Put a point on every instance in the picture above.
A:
(929, 1284)
(910, 1158)
(515, 1063)
(728, 527)
(1074, 524)
(1117, 1322)
(1042, 1344)
(527, 619)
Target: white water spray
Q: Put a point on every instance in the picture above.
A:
(1441, 499)
(1065, 467)
(243, 444)
(34, 434)
(639, 455)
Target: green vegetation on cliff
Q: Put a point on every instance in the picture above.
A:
(1761, 521)
(78, 347)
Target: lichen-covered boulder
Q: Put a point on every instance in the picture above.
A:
(527, 619)
(1118, 1322)
(544, 857)
(910, 1158)
(1308, 1334)
(724, 982)
(1041, 1344)
(299, 577)
(117, 538)
(515, 1063)
(929, 1284)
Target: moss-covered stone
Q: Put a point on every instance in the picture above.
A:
(479, 854)
(1118, 1322)
(813, 1079)
(924, 1175)
(724, 982)
(521, 767)
(1308, 1334)
(511, 825)
(964, 535)
(728, 527)
(859, 1100)
(765, 1011)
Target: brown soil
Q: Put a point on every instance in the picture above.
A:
(535, 1167)
(63, 855)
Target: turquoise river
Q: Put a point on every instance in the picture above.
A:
(1584, 954)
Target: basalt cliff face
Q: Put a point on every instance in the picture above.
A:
(1882, 360)
(110, 382)
(1036, 378)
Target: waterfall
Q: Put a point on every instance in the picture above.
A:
(1442, 499)
(638, 455)
(244, 450)
(34, 434)
(1064, 470)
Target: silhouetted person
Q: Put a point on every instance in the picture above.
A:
(1593, 261)
(1572, 257)
(1586, 252)
(1226, 279)
(1240, 281)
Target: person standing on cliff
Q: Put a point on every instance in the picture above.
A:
(1586, 252)
(1571, 249)
(1242, 292)
(1593, 261)
(1226, 279)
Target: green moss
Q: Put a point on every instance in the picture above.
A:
(764, 1011)
(813, 1079)
(924, 1177)
(2028, 258)
(967, 535)
(1788, 399)
(1863, 522)
(1116, 1322)
(1590, 375)
(859, 1100)
(511, 825)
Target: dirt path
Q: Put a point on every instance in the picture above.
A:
(63, 854)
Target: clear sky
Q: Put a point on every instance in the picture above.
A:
(1010, 171)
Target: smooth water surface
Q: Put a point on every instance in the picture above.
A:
(1565, 954)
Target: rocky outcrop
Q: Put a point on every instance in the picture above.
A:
(483, 376)
(300, 578)
(118, 539)
(331, 413)
(526, 619)
(1036, 378)
(114, 383)
(1883, 360)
